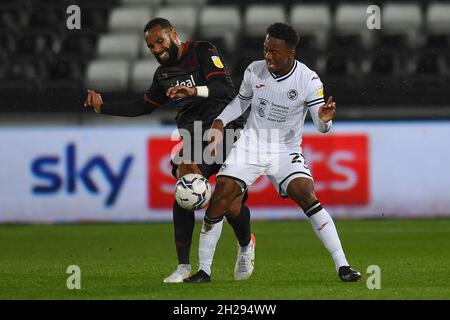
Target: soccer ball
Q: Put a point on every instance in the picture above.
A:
(193, 191)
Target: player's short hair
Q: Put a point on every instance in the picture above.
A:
(163, 23)
(284, 32)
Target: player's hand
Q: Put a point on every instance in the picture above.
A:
(179, 92)
(94, 100)
(327, 112)
(215, 136)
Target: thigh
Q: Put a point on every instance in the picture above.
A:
(285, 167)
(237, 167)
(189, 159)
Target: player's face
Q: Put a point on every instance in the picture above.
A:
(162, 45)
(279, 57)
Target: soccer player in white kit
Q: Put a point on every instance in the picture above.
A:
(280, 90)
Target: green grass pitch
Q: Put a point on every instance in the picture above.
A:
(129, 261)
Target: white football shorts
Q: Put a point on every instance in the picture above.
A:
(251, 158)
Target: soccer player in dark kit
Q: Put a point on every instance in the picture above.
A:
(193, 77)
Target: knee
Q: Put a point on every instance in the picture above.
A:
(302, 194)
(225, 191)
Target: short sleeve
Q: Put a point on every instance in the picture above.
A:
(314, 91)
(210, 60)
(246, 91)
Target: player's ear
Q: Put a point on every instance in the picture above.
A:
(291, 52)
(173, 34)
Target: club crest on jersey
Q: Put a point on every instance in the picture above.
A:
(217, 62)
(262, 104)
(292, 94)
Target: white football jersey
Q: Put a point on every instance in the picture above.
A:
(281, 102)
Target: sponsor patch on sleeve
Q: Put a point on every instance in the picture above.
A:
(217, 62)
(320, 92)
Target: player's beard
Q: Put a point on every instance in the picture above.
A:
(173, 56)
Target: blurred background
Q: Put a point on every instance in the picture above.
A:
(61, 162)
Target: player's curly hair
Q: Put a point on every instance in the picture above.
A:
(284, 32)
(163, 23)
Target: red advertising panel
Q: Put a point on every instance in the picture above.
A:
(339, 164)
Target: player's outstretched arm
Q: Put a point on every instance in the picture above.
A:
(323, 115)
(327, 112)
(94, 100)
(126, 109)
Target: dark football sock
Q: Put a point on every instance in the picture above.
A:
(184, 222)
(241, 225)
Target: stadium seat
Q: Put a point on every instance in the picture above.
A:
(94, 19)
(81, 45)
(140, 3)
(351, 27)
(7, 43)
(402, 20)
(258, 17)
(183, 18)
(438, 18)
(197, 3)
(47, 18)
(222, 23)
(311, 20)
(337, 65)
(126, 19)
(13, 20)
(438, 25)
(430, 64)
(40, 43)
(108, 75)
(119, 46)
(65, 69)
(382, 64)
(142, 74)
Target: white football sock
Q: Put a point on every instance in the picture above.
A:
(207, 245)
(324, 227)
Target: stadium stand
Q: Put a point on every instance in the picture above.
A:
(39, 56)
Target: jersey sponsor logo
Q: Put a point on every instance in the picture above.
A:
(315, 78)
(217, 62)
(258, 86)
(292, 94)
(262, 105)
(320, 92)
(188, 82)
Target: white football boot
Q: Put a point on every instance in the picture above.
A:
(245, 262)
(183, 271)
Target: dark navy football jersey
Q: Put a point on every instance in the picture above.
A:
(200, 65)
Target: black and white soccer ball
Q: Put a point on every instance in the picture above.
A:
(193, 191)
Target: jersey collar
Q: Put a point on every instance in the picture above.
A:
(287, 75)
(185, 48)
